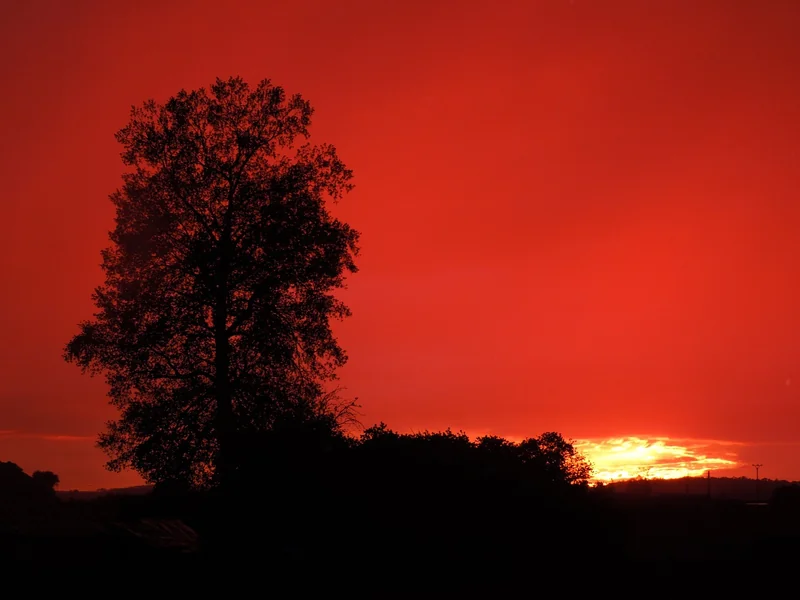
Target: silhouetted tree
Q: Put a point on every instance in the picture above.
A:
(23, 497)
(214, 316)
(12, 477)
(46, 480)
(556, 458)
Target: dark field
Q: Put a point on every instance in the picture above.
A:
(407, 532)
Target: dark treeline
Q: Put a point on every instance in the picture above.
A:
(308, 493)
(734, 488)
(387, 499)
(307, 497)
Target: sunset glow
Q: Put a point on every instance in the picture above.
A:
(656, 458)
(577, 217)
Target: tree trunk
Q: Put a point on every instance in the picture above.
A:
(225, 426)
(224, 415)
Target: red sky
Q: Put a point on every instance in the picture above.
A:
(576, 216)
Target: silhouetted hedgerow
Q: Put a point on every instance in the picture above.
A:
(306, 491)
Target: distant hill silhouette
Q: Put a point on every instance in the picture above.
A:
(135, 490)
(721, 488)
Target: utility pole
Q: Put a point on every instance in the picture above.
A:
(708, 478)
(757, 466)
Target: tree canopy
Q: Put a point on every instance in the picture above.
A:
(46, 480)
(25, 498)
(214, 317)
(546, 460)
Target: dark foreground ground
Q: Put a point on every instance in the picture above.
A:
(404, 536)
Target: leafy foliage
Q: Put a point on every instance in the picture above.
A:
(545, 460)
(214, 318)
(47, 480)
(25, 498)
(387, 497)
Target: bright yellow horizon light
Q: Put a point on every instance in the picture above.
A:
(622, 458)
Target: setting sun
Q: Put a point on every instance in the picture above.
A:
(656, 458)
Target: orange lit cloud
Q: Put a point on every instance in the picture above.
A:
(657, 457)
(651, 457)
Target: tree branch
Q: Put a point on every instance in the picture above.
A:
(176, 374)
(178, 189)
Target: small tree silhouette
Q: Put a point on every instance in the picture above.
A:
(46, 480)
(24, 497)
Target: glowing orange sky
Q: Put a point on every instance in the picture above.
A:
(577, 216)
